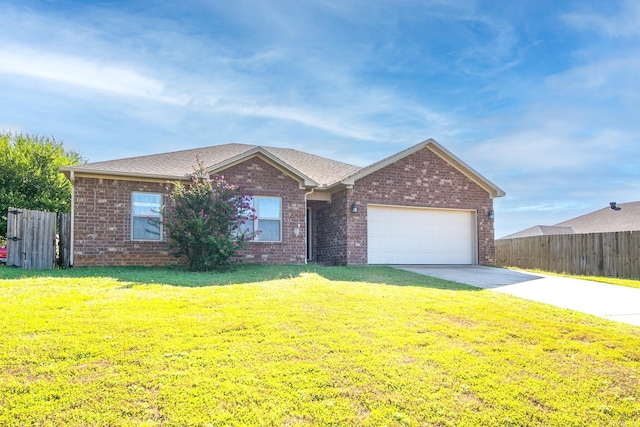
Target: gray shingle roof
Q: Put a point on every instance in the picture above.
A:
(311, 169)
(179, 164)
(320, 169)
(606, 220)
(540, 230)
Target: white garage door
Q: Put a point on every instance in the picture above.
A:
(399, 235)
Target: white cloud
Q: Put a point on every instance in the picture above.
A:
(621, 24)
(547, 145)
(352, 121)
(115, 79)
(544, 206)
(610, 77)
(314, 119)
(348, 117)
(295, 71)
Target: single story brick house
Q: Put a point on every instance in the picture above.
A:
(422, 205)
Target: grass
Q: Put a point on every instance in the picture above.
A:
(632, 283)
(302, 346)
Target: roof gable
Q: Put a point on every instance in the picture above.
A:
(269, 158)
(440, 151)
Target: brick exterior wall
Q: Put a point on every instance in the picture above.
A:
(262, 179)
(102, 225)
(331, 236)
(102, 219)
(314, 207)
(422, 179)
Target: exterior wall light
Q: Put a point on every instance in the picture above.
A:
(354, 208)
(490, 214)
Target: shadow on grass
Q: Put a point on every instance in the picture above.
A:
(241, 274)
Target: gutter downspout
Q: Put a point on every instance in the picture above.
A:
(306, 227)
(72, 178)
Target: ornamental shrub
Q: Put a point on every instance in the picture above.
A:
(206, 220)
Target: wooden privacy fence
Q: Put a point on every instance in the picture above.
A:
(32, 239)
(598, 254)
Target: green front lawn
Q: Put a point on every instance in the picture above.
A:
(296, 346)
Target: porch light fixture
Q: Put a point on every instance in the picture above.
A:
(490, 214)
(354, 208)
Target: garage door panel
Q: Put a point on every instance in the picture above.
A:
(398, 235)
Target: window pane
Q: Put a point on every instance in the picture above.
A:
(269, 230)
(145, 229)
(146, 204)
(247, 212)
(247, 227)
(268, 207)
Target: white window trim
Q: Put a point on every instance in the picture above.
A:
(133, 194)
(257, 238)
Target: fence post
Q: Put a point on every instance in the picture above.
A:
(14, 237)
(64, 240)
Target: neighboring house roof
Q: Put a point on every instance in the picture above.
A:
(540, 230)
(309, 169)
(607, 219)
(601, 221)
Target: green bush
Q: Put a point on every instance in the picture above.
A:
(30, 175)
(208, 220)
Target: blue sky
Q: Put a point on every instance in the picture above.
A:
(541, 97)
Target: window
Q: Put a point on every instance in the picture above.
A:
(146, 219)
(268, 222)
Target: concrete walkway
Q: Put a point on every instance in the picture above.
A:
(619, 303)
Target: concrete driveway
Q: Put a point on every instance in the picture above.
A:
(619, 303)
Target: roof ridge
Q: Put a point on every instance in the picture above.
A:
(309, 154)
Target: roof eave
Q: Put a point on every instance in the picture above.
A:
(332, 188)
(66, 170)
